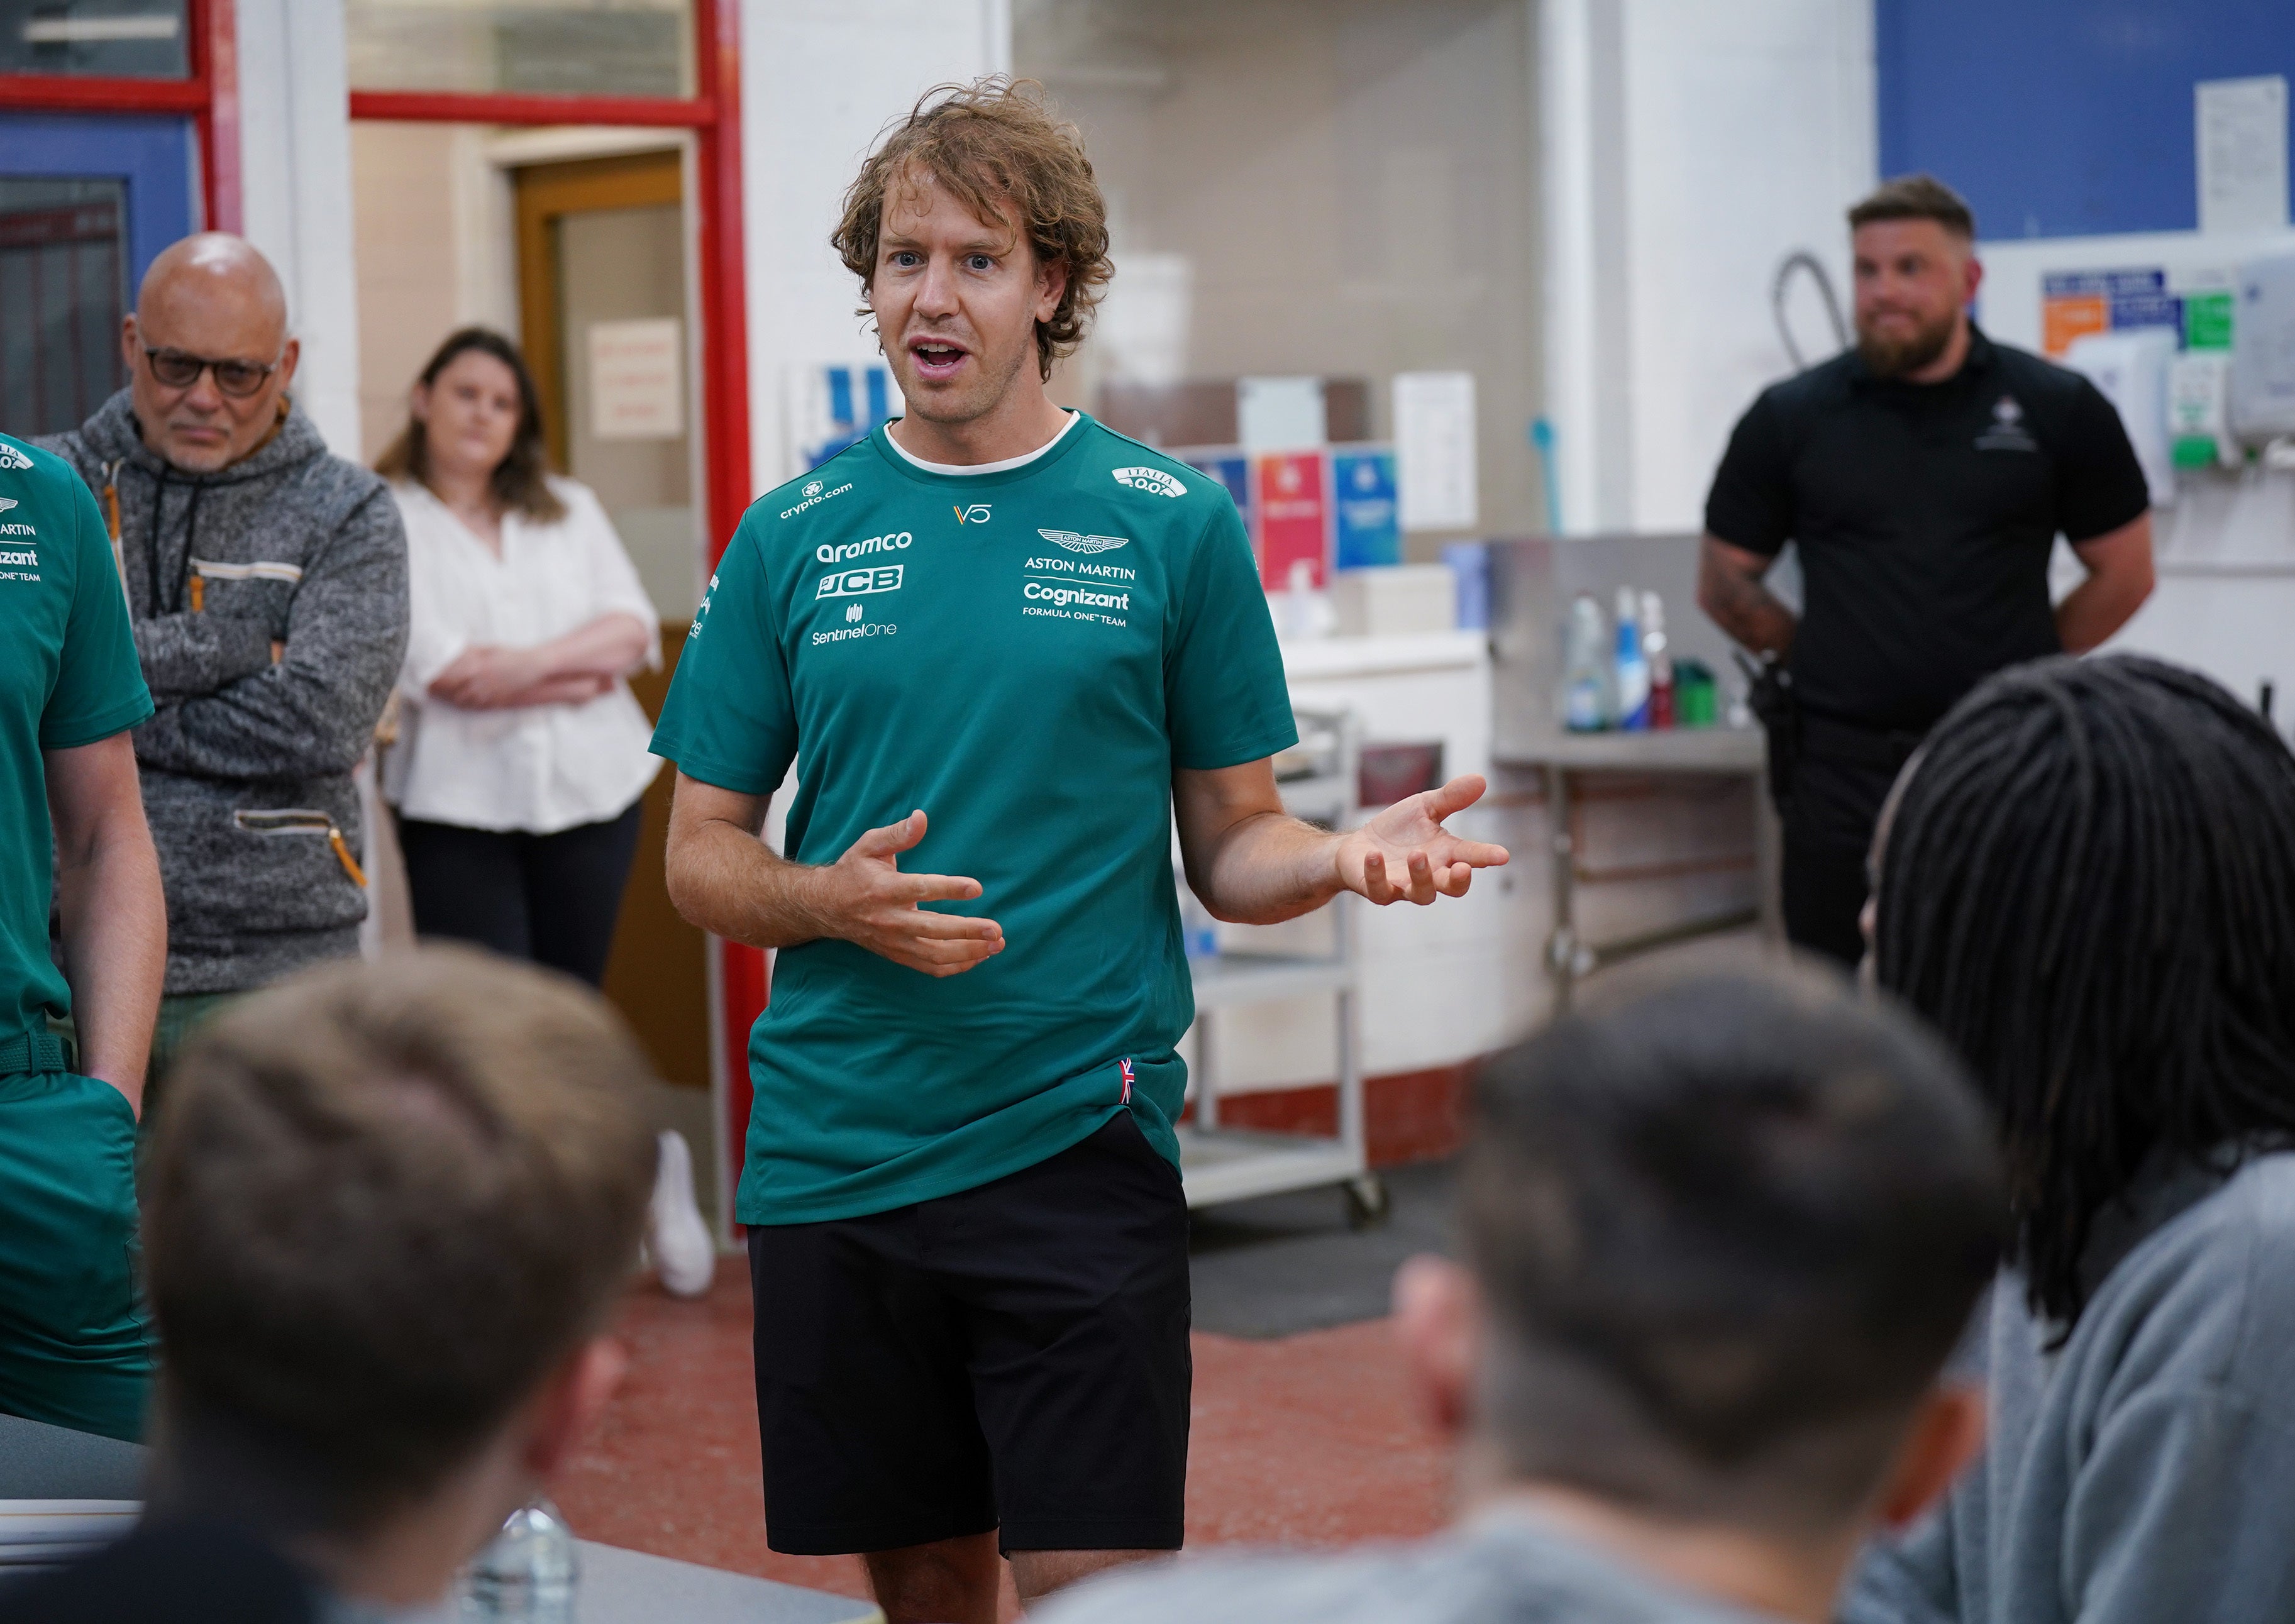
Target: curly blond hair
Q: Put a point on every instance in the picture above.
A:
(993, 142)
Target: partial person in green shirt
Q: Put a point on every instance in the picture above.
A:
(73, 1348)
(1004, 646)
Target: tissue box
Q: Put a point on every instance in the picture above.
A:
(1394, 598)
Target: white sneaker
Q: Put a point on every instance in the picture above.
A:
(676, 1239)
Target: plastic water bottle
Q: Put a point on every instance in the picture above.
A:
(1584, 670)
(1633, 664)
(528, 1572)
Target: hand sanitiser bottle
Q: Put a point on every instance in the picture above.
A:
(1633, 664)
(1661, 662)
(528, 1572)
(1584, 670)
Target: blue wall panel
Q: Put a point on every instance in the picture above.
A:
(2064, 118)
(153, 154)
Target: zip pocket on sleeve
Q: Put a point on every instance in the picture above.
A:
(307, 823)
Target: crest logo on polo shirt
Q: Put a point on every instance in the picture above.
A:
(813, 488)
(1075, 542)
(14, 527)
(9, 457)
(1151, 479)
(2008, 431)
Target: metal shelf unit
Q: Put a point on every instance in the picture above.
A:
(1219, 1163)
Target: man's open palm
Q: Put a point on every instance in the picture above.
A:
(1405, 853)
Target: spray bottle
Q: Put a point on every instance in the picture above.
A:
(1633, 664)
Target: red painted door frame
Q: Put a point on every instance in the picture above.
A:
(209, 97)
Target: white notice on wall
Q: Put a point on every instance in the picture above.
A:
(1280, 414)
(637, 379)
(1435, 476)
(2242, 153)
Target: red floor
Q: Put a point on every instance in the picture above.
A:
(1309, 1440)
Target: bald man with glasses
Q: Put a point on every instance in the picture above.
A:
(267, 582)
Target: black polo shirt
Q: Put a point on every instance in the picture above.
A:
(1926, 514)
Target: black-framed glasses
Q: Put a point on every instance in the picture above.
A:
(179, 369)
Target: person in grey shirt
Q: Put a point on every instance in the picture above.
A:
(391, 1212)
(266, 580)
(1719, 1239)
(2088, 881)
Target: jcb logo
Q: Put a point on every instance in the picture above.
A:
(853, 583)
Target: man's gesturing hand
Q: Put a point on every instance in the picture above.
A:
(863, 898)
(1405, 852)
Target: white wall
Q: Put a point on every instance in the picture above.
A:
(1687, 147)
(820, 79)
(295, 157)
(1348, 187)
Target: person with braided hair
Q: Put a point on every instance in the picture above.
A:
(2086, 880)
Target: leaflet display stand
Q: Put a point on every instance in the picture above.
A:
(1217, 1162)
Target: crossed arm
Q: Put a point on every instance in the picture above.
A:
(2119, 564)
(567, 670)
(114, 916)
(1248, 860)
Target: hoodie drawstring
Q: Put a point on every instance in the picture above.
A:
(151, 553)
(186, 583)
(197, 584)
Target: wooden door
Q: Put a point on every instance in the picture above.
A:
(590, 233)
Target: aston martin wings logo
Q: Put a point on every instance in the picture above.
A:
(6, 503)
(1073, 542)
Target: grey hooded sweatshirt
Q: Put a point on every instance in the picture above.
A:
(2144, 1471)
(247, 763)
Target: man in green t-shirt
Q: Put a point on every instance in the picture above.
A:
(72, 1346)
(1006, 645)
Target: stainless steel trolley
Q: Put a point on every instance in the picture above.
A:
(1219, 1163)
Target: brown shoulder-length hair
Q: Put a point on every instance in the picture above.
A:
(520, 479)
(991, 141)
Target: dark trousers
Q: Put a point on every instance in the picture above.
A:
(549, 898)
(1841, 779)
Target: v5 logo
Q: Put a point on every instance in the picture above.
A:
(976, 514)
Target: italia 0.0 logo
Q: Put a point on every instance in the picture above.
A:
(1153, 480)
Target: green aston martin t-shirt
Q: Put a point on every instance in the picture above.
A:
(1026, 652)
(68, 676)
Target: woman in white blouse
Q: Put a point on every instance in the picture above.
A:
(521, 758)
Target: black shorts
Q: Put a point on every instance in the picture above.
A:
(1013, 1357)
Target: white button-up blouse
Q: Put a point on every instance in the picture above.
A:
(539, 768)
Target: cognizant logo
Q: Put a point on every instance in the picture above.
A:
(836, 552)
(1063, 596)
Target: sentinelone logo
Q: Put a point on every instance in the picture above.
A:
(814, 496)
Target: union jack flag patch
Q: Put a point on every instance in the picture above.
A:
(1124, 1069)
